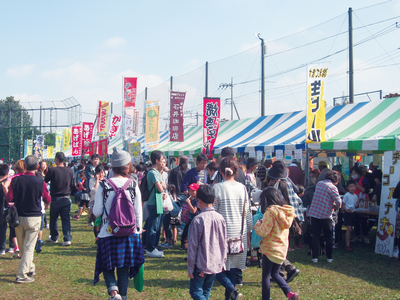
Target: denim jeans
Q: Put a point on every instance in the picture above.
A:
(60, 207)
(200, 287)
(153, 228)
(122, 284)
(3, 236)
(270, 269)
(228, 281)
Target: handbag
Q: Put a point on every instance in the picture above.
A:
(235, 244)
(295, 229)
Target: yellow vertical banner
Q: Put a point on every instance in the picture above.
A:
(316, 76)
(50, 152)
(152, 136)
(67, 139)
(102, 117)
(29, 147)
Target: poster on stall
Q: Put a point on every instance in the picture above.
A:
(279, 154)
(268, 154)
(76, 140)
(259, 155)
(298, 154)
(87, 135)
(385, 234)
(176, 117)
(102, 118)
(152, 136)
(134, 149)
(252, 153)
(130, 91)
(211, 120)
(39, 146)
(288, 155)
(316, 77)
(28, 148)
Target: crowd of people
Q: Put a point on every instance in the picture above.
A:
(139, 211)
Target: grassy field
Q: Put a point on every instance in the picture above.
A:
(67, 273)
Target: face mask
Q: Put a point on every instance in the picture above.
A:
(355, 176)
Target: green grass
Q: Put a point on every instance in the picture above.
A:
(67, 273)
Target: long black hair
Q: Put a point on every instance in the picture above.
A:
(282, 186)
(270, 196)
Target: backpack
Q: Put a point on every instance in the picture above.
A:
(255, 239)
(122, 217)
(144, 187)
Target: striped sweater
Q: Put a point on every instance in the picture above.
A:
(274, 230)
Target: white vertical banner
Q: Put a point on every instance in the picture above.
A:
(128, 120)
(385, 234)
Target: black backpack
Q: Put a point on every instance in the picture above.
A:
(144, 187)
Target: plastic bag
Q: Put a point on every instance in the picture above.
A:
(167, 204)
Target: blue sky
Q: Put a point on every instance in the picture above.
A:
(52, 50)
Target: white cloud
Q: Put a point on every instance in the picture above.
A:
(20, 71)
(24, 98)
(115, 42)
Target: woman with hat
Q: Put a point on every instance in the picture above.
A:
(123, 253)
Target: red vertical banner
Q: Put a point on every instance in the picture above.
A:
(87, 135)
(76, 140)
(130, 91)
(103, 147)
(92, 148)
(176, 118)
(211, 120)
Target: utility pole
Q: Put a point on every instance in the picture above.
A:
(144, 110)
(351, 69)
(262, 77)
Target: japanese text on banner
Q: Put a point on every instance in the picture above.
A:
(59, 137)
(67, 139)
(176, 117)
(152, 137)
(130, 90)
(385, 234)
(102, 117)
(211, 120)
(316, 76)
(76, 140)
(87, 135)
(115, 125)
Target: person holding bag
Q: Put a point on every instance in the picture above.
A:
(233, 204)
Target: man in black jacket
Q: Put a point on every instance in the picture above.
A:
(61, 181)
(27, 192)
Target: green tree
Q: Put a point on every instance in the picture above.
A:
(50, 139)
(15, 128)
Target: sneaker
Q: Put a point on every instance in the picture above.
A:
(162, 244)
(51, 240)
(47, 226)
(3, 252)
(66, 243)
(235, 295)
(314, 260)
(292, 274)
(10, 250)
(295, 296)
(330, 260)
(75, 217)
(90, 224)
(24, 280)
(299, 246)
(84, 213)
(155, 253)
(366, 240)
(116, 297)
(16, 253)
(39, 245)
(355, 239)
(167, 245)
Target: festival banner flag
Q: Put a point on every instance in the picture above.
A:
(152, 136)
(316, 76)
(115, 125)
(102, 117)
(103, 147)
(135, 126)
(76, 140)
(129, 112)
(87, 135)
(66, 139)
(28, 147)
(211, 120)
(92, 148)
(176, 118)
(39, 146)
(385, 231)
(59, 136)
(134, 149)
(50, 152)
(130, 84)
